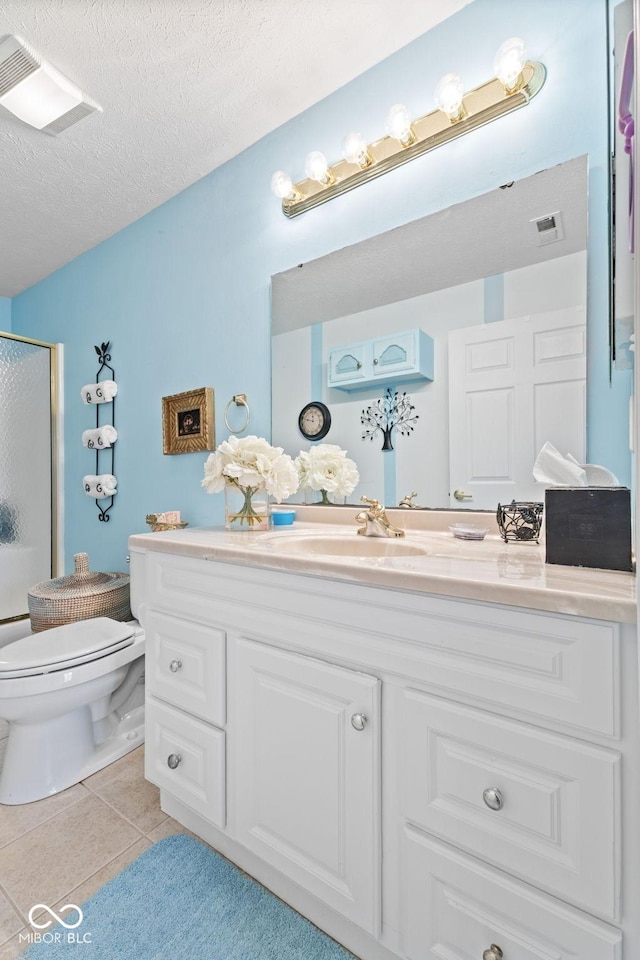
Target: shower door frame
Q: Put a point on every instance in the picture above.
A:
(55, 352)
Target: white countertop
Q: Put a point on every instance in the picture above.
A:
(489, 570)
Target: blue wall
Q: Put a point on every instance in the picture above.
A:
(183, 294)
(5, 314)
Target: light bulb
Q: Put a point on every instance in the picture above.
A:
(282, 185)
(355, 150)
(449, 93)
(316, 167)
(509, 61)
(399, 124)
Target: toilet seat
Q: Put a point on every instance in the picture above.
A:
(64, 647)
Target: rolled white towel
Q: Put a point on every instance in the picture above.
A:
(100, 438)
(102, 392)
(100, 486)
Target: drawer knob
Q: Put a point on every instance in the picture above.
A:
(175, 665)
(173, 760)
(493, 953)
(358, 721)
(495, 801)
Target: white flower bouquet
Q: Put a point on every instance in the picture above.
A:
(326, 467)
(250, 465)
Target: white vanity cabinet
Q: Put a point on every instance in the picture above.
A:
(422, 777)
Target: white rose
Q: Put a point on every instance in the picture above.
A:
(282, 481)
(327, 467)
(213, 480)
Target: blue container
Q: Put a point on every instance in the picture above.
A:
(283, 518)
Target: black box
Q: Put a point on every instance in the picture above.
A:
(589, 527)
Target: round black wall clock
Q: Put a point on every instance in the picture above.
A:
(314, 421)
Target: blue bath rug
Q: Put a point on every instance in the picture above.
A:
(181, 901)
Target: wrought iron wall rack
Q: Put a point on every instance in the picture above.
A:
(107, 454)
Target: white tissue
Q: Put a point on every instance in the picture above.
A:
(102, 392)
(554, 470)
(100, 438)
(100, 486)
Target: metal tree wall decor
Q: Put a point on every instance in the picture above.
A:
(393, 410)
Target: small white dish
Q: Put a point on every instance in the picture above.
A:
(598, 476)
(468, 531)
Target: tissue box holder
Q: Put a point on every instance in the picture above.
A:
(589, 527)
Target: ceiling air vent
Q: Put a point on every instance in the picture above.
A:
(35, 92)
(548, 229)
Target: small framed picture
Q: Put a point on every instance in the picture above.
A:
(188, 422)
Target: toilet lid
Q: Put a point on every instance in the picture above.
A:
(67, 646)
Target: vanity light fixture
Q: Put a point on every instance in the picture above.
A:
(516, 81)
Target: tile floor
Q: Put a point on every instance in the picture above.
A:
(64, 848)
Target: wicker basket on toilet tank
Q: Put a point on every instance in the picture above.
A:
(79, 596)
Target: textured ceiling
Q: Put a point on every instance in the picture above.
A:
(185, 85)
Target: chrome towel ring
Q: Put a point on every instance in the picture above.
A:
(240, 400)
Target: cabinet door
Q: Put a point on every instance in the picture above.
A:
(397, 353)
(306, 779)
(348, 365)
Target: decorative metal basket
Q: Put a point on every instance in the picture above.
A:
(520, 521)
(159, 526)
(80, 596)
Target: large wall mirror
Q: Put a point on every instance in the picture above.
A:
(499, 285)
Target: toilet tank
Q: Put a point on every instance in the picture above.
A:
(138, 574)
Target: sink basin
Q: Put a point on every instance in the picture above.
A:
(353, 546)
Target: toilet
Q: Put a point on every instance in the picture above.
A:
(74, 700)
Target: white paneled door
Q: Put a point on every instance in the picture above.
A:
(306, 776)
(513, 385)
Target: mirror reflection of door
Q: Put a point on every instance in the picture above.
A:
(513, 385)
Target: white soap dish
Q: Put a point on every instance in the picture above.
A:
(597, 476)
(468, 531)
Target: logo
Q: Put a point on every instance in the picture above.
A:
(55, 918)
(70, 917)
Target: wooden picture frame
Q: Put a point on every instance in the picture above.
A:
(188, 424)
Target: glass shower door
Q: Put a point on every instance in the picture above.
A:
(27, 443)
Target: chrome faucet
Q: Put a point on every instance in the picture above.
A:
(376, 522)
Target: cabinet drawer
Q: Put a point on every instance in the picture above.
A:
(186, 666)
(198, 752)
(456, 907)
(555, 818)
